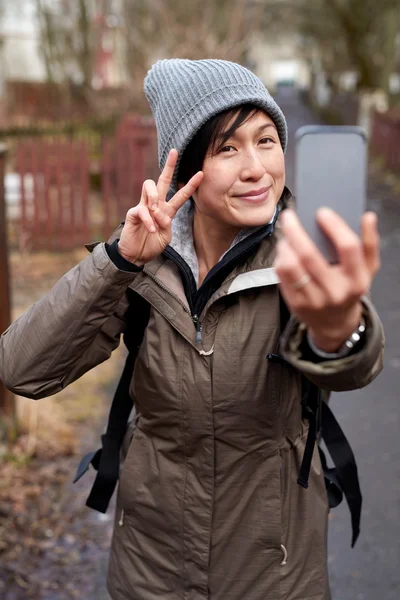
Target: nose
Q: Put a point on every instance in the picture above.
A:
(252, 167)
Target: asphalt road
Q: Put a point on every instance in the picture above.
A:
(370, 419)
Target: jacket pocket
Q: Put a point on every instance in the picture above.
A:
(126, 442)
(133, 458)
(284, 491)
(284, 385)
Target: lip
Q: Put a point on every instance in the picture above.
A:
(255, 196)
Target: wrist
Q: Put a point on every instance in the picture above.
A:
(119, 261)
(332, 340)
(134, 261)
(353, 342)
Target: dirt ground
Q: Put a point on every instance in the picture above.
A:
(52, 547)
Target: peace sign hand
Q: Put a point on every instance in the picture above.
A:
(147, 230)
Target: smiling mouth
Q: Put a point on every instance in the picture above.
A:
(255, 196)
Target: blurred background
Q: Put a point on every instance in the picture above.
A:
(76, 142)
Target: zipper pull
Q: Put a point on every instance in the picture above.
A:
(199, 329)
(121, 520)
(277, 358)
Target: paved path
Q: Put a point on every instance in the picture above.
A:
(371, 420)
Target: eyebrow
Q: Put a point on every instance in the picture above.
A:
(259, 129)
(265, 127)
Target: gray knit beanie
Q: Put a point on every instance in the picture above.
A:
(185, 94)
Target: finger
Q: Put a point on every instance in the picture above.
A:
(371, 242)
(292, 276)
(149, 194)
(144, 215)
(287, 265)
(162, 219)
(286, 261)
(310, 257)
(164, 181)
(184, 193)
(347, 243)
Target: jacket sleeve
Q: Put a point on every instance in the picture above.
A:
(349, 373)
(72, 329)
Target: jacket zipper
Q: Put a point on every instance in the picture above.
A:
(164, 287)
(205, 291)
(195, 319)
(199, 329)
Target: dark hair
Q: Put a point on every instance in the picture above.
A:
(211, 137)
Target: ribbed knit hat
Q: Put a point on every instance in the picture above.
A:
(185, 94)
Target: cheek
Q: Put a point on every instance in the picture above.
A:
(215, 184)
(277, 166)
(277, 170)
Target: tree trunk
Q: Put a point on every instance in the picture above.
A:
(370, 101)
(86, 57)
(392, 26)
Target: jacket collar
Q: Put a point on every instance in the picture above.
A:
(182, 237)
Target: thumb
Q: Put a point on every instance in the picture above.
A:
(184, 193)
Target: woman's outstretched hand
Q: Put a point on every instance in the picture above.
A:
(323, 296)
(147, 229)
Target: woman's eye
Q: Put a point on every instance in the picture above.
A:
(227, 148)
(267, 140)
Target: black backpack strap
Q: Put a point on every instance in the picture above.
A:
(343, 478)
(333, 489)
(106, 460)
(346, 472)
(311, 404)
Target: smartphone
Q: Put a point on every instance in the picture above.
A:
(330, 170)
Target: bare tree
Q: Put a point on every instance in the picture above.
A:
(67, 35)
(350, 35)
(369, 31)
(355, 34)
(175, 28)
(70, 35)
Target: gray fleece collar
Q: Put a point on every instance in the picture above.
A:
(182, 237)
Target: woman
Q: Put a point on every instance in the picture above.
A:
(208, 505)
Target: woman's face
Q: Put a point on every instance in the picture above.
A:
(244, 180)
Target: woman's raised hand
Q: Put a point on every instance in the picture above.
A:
(323, 296)
(147, 229)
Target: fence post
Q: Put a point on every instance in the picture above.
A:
(7, 401)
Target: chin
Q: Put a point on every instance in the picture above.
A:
(256, 216)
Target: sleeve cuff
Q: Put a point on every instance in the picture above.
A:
(311, 353)
(121, 263)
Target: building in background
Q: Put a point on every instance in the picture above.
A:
(23, 68)
(20, 57)
(279, 62)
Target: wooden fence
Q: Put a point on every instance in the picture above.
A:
(51, 205)
(128, 159)
(53, 193)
